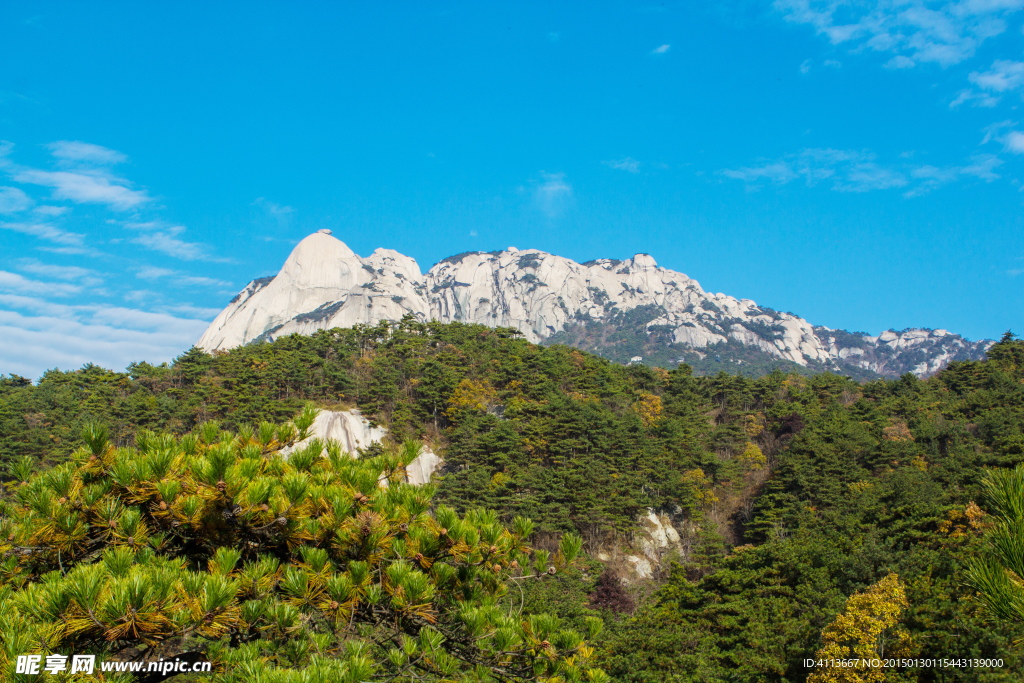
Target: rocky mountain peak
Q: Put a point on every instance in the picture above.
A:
(324, 284)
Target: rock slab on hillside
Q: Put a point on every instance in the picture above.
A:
(324, 284)
(352, 432)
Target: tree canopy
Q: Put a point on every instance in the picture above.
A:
(282, 567)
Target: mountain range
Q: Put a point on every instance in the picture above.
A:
(628, 310)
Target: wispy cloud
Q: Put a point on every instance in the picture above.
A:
(864, 177)
(995, 131)
(86, 187)
(85, 276)
(47, 335)
(1004, 75)
(661, 49)
(1014, 142)
(981, 166)
(46, 232)
(552, 194)
(813, 165)
(943, 33)
(18, 284)
(196, 311)
(38, 331)
(84, 178)
(51, 210)
(272, 208)
(1003, 132)
(977, 99)
(167, 242)
(628, 164)
(900, 62)
(808, 64)
(13, 200)
(859, 171)
(154, 273)
(79, 152)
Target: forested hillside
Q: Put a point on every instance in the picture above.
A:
(791, 492)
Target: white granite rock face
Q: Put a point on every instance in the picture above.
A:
(323, 284)
(352, 431)
(656, 535)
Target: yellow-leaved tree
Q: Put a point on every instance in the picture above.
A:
(863, 632)
(649, 408)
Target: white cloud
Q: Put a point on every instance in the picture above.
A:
(945, 33)
(981, 166)
(779, 172)
(81, 251)
(67, 337)
(79, 152)
(552, 194)
(805, 66)
(992, 132)
(272, 208)
(166, 242)
(813, 165)
(196, 312)
(18, 284)
(869, 176)
(1015, 142)
(154, 273)
(900, 62)
(51, 210)
(1004, 75)
(661, 49)
(979, 99)
(85, 275)
(627, 164)
(84, 180)
(858, 171)
(46, 232)
(13, 200)
(86, 187)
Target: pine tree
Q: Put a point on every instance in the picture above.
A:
(278, 561)
(999, 576)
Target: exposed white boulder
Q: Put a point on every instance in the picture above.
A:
(348, 427)
(353, 431)
(420, 470)
(641, 566)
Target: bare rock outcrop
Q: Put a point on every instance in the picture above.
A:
(352, 431)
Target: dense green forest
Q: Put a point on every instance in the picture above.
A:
(790, 492)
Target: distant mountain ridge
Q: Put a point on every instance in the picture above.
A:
(607, 306)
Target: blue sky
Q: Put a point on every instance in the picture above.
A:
(856, 163)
